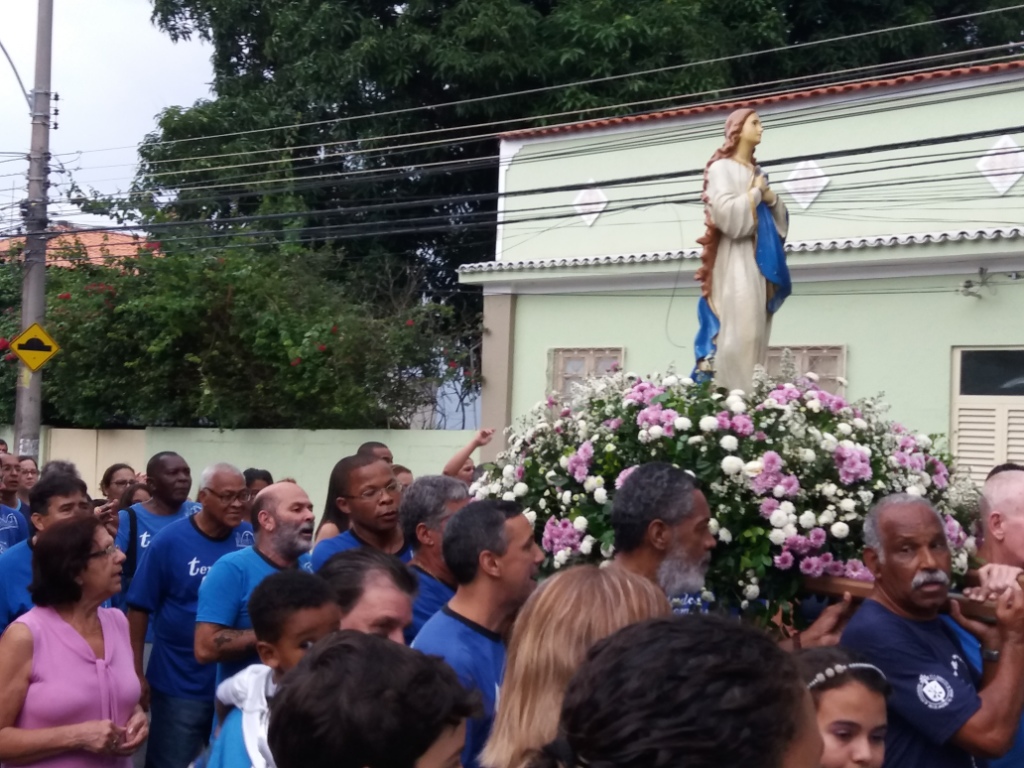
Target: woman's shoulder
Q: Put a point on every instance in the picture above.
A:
(113, 617)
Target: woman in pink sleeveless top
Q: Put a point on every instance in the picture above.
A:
(69, 695)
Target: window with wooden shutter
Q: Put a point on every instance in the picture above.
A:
(572, 366)
(829, 363)
(988, 409)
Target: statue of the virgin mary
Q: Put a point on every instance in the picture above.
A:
(743, 273)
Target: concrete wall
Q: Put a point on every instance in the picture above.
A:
(307, 456)
(899, 333)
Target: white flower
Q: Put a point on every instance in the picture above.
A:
(808, 520)
(683, 424)
(508, 496)
(566, 498)
(695, 440)
(724, 536)
(508, 471)
(776, 537)
(563, 462)
(915, 490)
(971, 545)
(601, 496)
(543, 503)
(670, 381)
(779, 519)
(866, 497)
(580, 524)
(860, 424)
(744, 604)
(923, 441)
(787, 507)
(583, 429)
(591, 483)
(587, 545)
(713, 526)
(779, 491)
(729, 443)
(708, 424)
(848, 505)
(644, 436)
(840, 530)
(924, 480)
(751, 592)
(807, 456)
(551, 476)
(844, 429)
(656, 432)
(814, 405)
(753, 468)
(686, 381)
(789, 530)
(827, 517)
(562, 557)
(530, 515)
(811, 376)
(829, 442)
(731, 465)
(960, 563)
(829, 490)
(607, 550)
(520, 489)
(738, 407)
(609, 448)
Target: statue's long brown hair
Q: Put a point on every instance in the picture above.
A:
(733, 128)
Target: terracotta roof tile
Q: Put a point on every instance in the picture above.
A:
(829, 90)
(96, 244)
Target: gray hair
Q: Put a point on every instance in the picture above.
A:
(214, 469)
(653, 491)
(872, 534)
(425, 501)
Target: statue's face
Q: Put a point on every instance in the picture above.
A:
(752, 129)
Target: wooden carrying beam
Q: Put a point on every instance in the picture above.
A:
(835, 586)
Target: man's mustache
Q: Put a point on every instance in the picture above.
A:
(929, 577)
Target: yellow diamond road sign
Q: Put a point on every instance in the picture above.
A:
(34, 347)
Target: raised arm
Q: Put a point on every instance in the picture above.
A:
(456, 462)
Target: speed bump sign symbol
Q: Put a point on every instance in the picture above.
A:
(34, 347)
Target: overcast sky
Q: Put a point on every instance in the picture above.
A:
(114, 72)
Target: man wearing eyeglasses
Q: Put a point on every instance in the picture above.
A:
(368, 494)
(166, 587)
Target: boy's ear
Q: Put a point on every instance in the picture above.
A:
(268, 654)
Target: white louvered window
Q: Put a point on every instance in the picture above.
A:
(571, 366)
(829, 363)
(988, 409)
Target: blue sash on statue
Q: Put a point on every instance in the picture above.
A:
(771, 261)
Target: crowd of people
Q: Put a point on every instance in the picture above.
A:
(411, 629)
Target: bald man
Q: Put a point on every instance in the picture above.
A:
(282, 516)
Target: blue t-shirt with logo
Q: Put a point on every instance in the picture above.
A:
(15, 576)
(166, 586)
(344, 542)
(431, 596)
(478, 657)
(13, 528)
(935, 690)
(147, 526)
(224, 596)
(972, 650)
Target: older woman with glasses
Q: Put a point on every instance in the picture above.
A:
(69, 695)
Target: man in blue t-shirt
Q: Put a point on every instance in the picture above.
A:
(170, 477)
(283, 518)
(490, 550)
(941, 713)
(364, 491)
(427, 506)
(166, 587)
(57, 496)
(13, 521)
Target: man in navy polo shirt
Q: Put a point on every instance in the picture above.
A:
(57, 496)
(282, 515)
(942, 713)
(427, 506)
(166, 587)
(365, 492)
(13, 520)
(490, 550)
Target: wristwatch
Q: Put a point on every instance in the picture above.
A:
(987, 654)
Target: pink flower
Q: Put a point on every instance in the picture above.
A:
(772, 461)
(817, 537)
(759, 435)
(623, 476)
(812, 566)
(835, 568)
(798, 544)
(790, 486)
(642, 393)
(852, 465)
(724, 422)
(855, 570)
(579, 462)
(743, 425)
(560, 534)
(613, 424)
(954, 532)
(784, 561)
(768, 506)
(520, 472)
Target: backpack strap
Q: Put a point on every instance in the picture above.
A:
(132, 555)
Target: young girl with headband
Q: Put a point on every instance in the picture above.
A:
(849, 696)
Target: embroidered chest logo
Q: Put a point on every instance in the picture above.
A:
(934, 692)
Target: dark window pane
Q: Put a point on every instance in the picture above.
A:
(990, 372)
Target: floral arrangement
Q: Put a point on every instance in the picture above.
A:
(790, 471)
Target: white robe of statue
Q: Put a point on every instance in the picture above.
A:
(739, 292)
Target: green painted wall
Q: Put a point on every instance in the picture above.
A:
(893, 192)
(899, 334)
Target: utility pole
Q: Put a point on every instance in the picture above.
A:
(29, 404)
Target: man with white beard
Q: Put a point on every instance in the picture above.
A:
(661, 521)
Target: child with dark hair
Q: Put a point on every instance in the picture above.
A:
(849, 696)
(290, 611)
(360, 701)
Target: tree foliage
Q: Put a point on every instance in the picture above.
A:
(231, 337)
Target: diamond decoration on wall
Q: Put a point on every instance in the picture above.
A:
(590, 203)
(805, 182)
(1003, 165)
